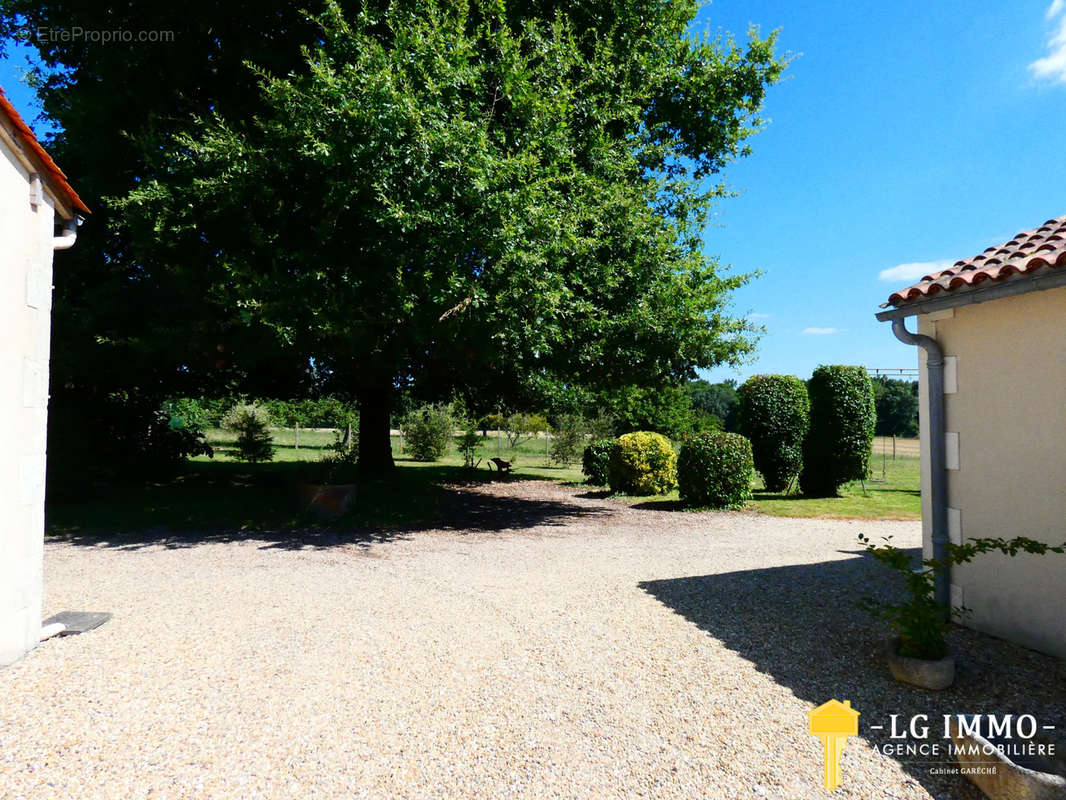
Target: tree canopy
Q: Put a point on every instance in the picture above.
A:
(508, 200)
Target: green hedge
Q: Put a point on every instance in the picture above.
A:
(838, 443)
(642, 463)
(594, 461)
(307, 412)
(773, 412)
(715, 470)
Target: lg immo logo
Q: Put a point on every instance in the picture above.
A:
(948, 739)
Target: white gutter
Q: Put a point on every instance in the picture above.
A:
(70, 234)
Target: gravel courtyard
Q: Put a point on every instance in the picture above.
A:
(545, 642)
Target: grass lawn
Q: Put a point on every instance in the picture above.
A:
(221, 493)
(897, 497)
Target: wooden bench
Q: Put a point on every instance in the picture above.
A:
(503, 467)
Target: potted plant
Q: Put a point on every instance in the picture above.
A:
(330, 490)
(918, 652)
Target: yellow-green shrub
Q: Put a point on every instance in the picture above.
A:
(642, 463)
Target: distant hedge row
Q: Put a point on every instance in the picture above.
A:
(320, 412)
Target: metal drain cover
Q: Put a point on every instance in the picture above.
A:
(78, 621)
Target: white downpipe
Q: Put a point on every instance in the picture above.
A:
(69, 236)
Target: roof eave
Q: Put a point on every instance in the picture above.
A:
(1022, 284)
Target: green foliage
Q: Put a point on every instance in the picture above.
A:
(469, 447)
(595, 461)
(568, 437)
(600, 426)
(523, 427)
(478, 195)
(252, 426)
(663, 409)
(339, 465)
(719, 399)
(492, 422)
(896, 402)
(840, 437)
(428, 430)
(773, 412)
(642, 463)
(919, 620)
(715, 470)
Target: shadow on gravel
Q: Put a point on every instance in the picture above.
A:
(800, 625)
(384, 512)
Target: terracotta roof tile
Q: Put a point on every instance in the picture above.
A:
(52, 174)
(1028, 252)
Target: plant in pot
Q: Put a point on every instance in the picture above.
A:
(330, 489)
(918, 653)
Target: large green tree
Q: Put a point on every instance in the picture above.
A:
(124, 336)
(466, 196)
(897, 407)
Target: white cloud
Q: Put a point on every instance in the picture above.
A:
(821, 331)
(915, 270)
(767, 316)
(1052, 67)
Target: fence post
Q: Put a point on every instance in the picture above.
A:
(297, 445)
(893, 447)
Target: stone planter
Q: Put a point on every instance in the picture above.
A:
(1028, 777)
(924, 674)
(326, 501)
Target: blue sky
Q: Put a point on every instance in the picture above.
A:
(905, 133)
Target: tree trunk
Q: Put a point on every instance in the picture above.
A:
(375, 440)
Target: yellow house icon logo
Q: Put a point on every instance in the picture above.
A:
(833, 723)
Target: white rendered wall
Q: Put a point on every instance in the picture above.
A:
(25, 312)
(1006, 422)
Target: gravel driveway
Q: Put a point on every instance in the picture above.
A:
(545, 642)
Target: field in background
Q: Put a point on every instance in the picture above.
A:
(887, 446)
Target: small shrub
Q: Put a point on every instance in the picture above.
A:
(840, 437)
(469, 447)
(252, 426)
(186, 413)
(594, 461)
(773, 412)
(567, 439)
(715, 470)
(340, 464)
(918, 619)
(642, 463)
(427, 432)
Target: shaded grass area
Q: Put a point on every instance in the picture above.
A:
(224, 494)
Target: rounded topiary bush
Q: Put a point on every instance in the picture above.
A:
(773, 412)
(715, 469)
(838, 442)
(594, 461)
(642, 463)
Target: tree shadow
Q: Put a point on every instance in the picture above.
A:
(776, 619)
(232, 503)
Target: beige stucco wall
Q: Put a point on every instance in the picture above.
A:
(25, 309)
(1009, 411)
